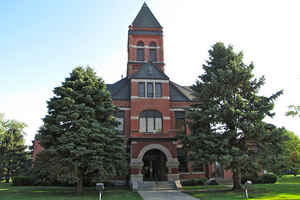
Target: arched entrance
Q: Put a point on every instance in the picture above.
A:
(154, 168)
(137, 165)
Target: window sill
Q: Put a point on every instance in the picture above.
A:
(191, 173)
(151, 133)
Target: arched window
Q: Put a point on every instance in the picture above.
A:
(150, 121)
(152, 52)
(140, 51)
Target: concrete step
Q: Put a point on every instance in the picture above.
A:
(224, 181)
(157, 186)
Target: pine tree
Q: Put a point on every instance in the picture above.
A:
(13, 157)
(79, 131)
(228, 119)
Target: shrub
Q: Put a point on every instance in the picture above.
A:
(187, 182)
(201, 181)
(193, 182)
(22, 180)
(264, 179)
(268, 178)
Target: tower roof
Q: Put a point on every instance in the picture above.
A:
(145, 19)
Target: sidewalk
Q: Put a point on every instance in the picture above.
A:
(165, 195)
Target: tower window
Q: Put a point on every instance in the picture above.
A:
(150, 121)
(140, 51)
(152, 52)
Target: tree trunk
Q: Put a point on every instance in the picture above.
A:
(236, 176)
(79, 185)
(207, 174)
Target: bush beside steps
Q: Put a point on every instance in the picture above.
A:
(193, 182)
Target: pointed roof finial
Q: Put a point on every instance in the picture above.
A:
(145, 18)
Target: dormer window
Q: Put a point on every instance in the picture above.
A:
(152, 52)
(140, 55)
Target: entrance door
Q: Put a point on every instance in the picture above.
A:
(154, 166)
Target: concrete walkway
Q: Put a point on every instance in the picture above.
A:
(165, 195)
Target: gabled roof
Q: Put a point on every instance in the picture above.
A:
(120, 90)
(145, 19)
(150, 71)
(180, 93)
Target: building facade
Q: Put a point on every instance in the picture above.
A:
(152, 110)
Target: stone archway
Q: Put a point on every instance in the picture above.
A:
(138, 163)
(154, 168)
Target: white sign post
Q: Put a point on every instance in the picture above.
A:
(100, 188)
(246, 188)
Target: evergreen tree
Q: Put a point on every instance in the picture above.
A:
(227, 122)
(79, 132)
(13, 158)
(293, 111)
(289, 161)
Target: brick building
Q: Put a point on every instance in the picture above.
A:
(152, 109)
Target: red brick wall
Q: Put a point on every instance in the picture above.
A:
(36, 148)
(134, 39)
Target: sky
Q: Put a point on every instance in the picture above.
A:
(42, 41)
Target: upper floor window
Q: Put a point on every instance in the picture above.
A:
(120, 119)
(179, 121)
(158, 90)
(150, 89)
(141, 89)
(150, 121)
(140, 51)
(152, 52)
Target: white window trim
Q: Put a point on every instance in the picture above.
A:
(149, 80)
(145, 47)
(146, 81)
(124, 108)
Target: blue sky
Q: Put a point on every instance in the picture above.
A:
(42, 41)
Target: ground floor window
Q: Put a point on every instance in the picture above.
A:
(197, 166)
(181, 156)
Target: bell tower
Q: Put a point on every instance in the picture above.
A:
(145, 42)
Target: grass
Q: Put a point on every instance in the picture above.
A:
(8, 192)
(286, 188)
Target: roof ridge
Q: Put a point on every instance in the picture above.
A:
(145, 18)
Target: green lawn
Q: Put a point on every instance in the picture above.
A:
(287, 187)
(8, 192)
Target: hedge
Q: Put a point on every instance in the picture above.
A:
(22, 180)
